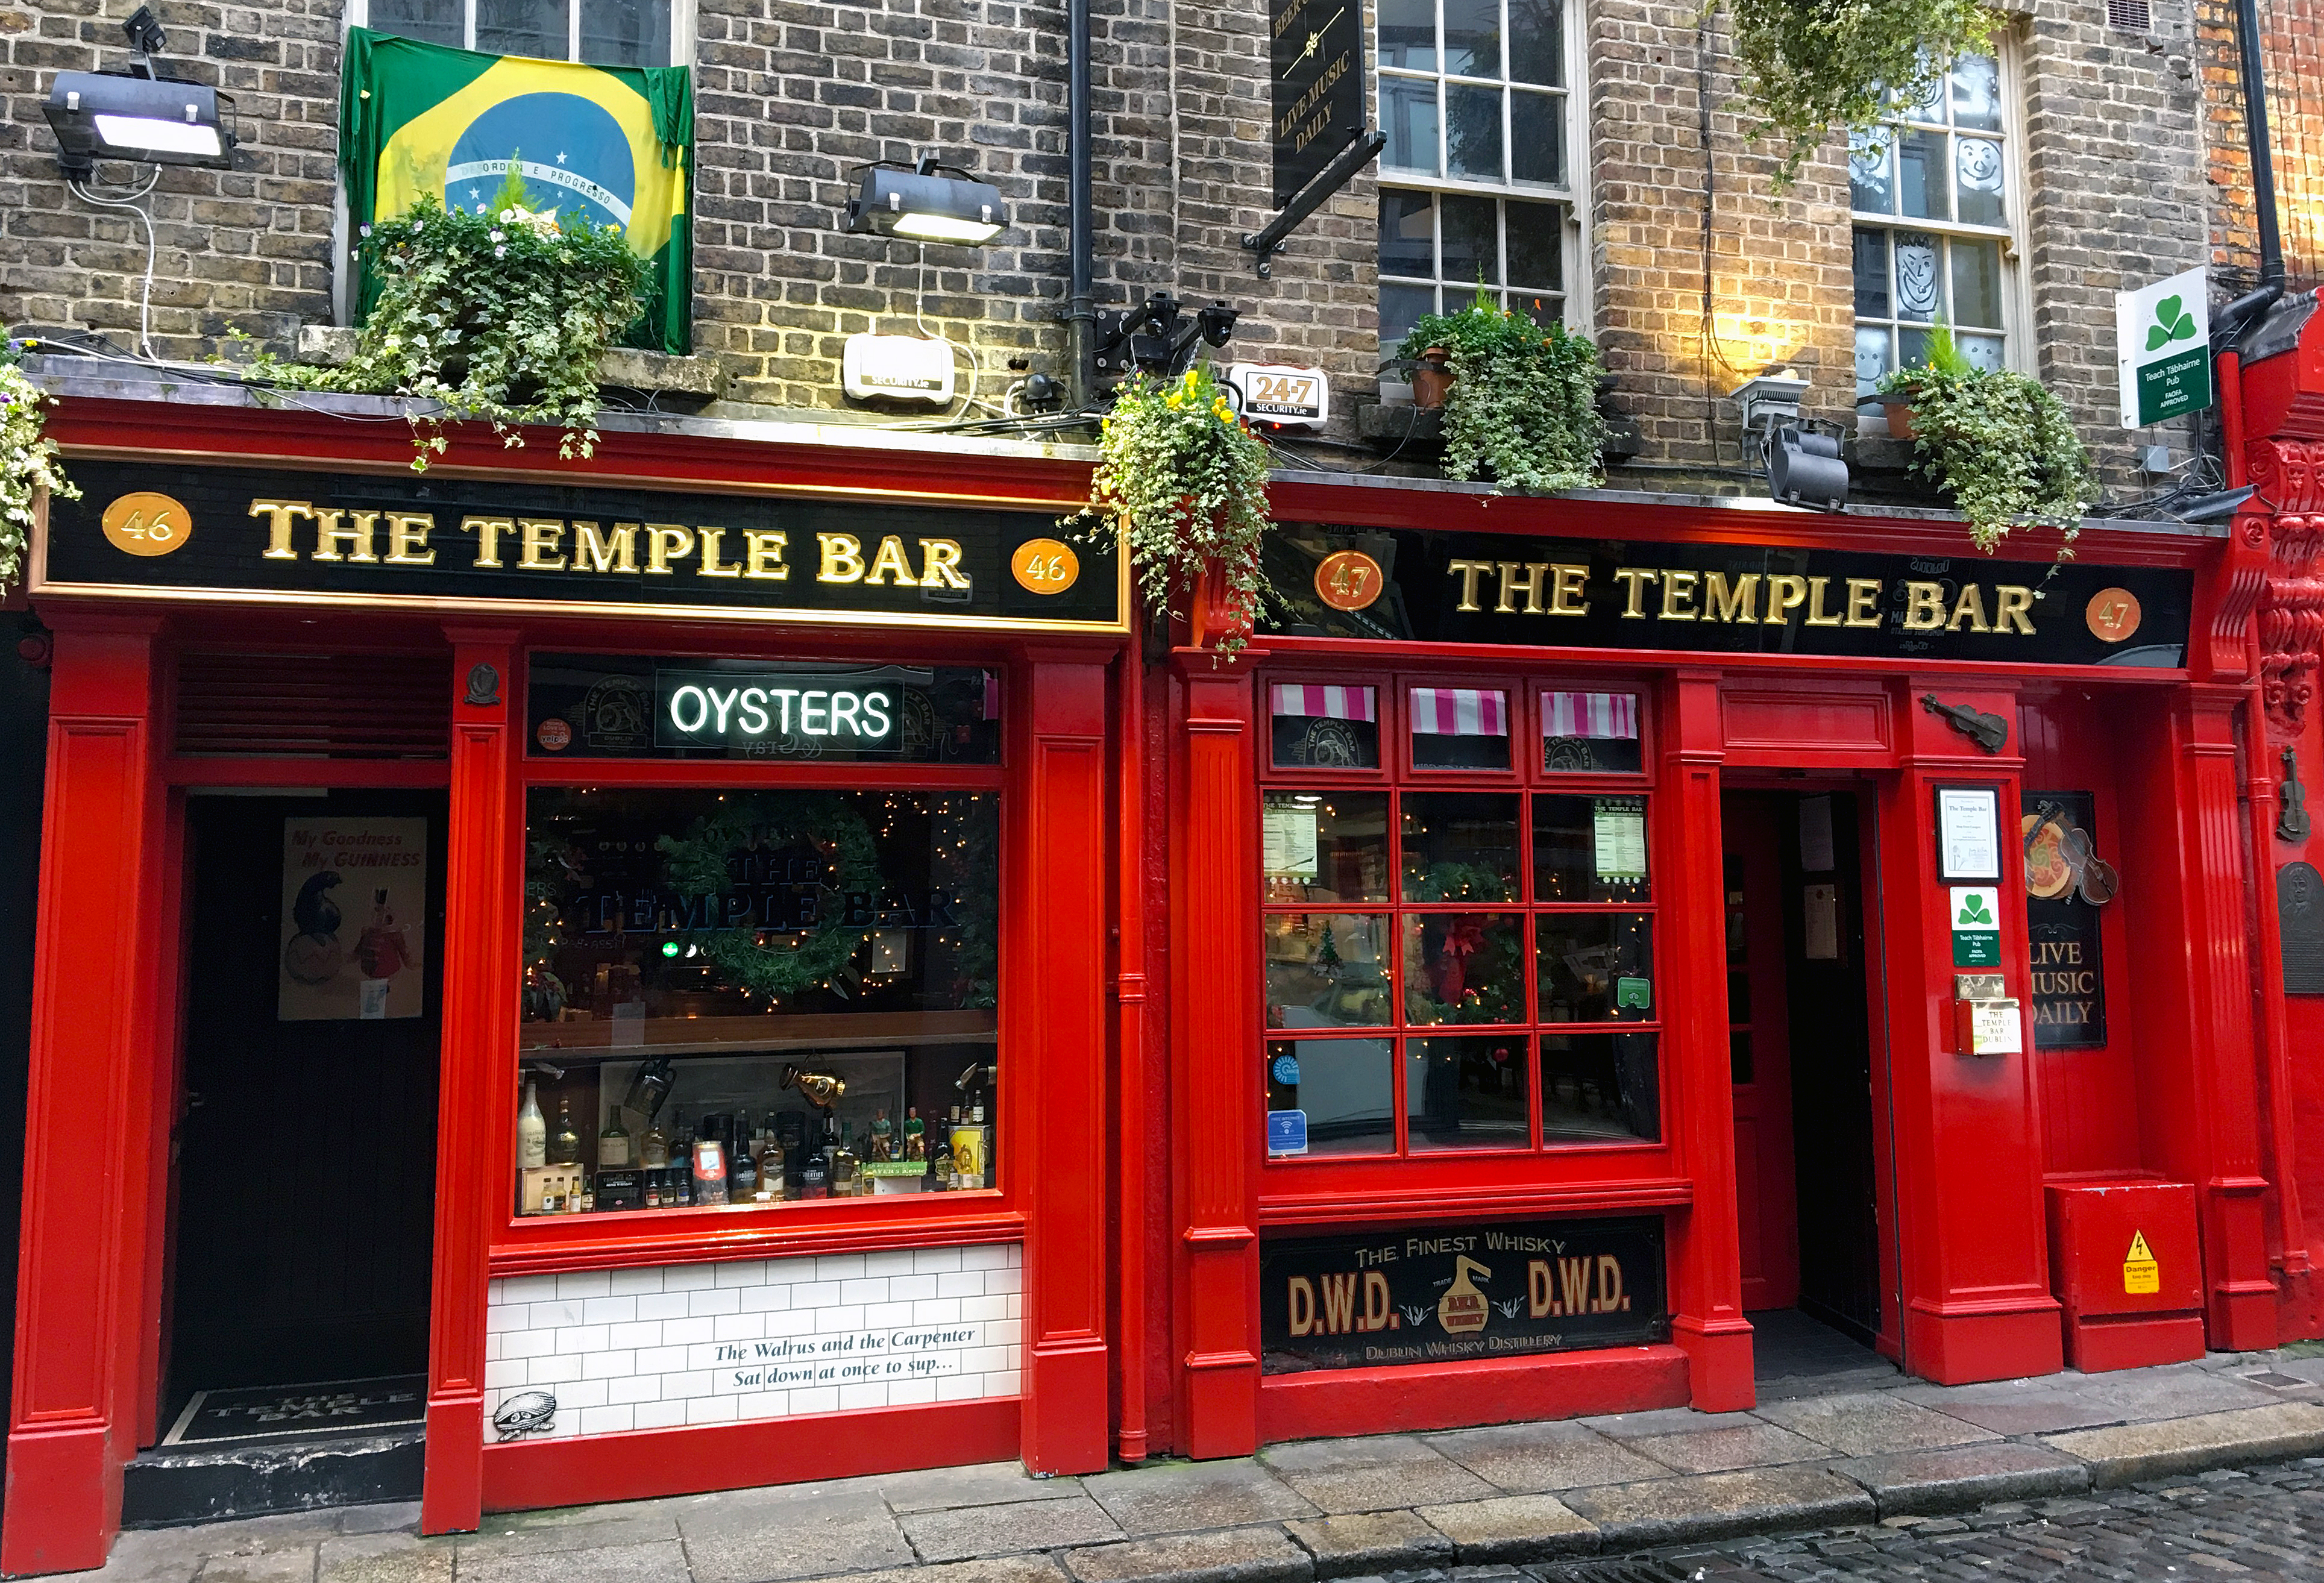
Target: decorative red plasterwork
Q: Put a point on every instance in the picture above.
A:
(2290, 474)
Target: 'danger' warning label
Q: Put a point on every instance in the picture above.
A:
(2141, 1277)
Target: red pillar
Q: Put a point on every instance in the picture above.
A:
(1054, 996)
(1707, 1319)
(475, 1109)
(80, 1276)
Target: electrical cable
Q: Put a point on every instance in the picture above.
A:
(1712, 345)
(130, 201)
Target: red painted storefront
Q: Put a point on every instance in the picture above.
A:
(1141, 1016)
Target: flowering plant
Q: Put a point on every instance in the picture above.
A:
(28, 461)
(500, 314)
(1181, 484)
(1523, 404)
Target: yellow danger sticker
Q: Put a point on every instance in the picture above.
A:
(2141, 1275)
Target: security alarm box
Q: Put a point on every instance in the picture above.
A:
(1294, 398)
(897, 368)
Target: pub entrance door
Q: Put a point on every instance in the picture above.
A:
(1812, 1180)
(303, 1152)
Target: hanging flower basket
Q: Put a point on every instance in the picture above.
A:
(28, 462)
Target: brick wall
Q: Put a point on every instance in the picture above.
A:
(2292, 54)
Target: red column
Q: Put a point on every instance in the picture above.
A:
(80, 1276)
(1975, 1256)
(1699, 1098)
(1054, 996)
(475, 1107)
(1215, 1032)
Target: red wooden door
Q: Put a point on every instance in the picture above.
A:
(1758, 1042)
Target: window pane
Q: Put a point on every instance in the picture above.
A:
(1400, 308)
(1473, 133)
(1459, 846)
(1982, 351)
(1872, 357)
(1912, 347)
(1463, 967)
(1929, 106)
(1977, 93)
(1472, 38)
(1538, 41)
(1870, 185)
(1408, 239)
(1467, 1093)
(1590, 848)
(522, 27)
(1460, 728)
(1597, 1087)
(1346, 1087)
(1590, 733)
(1977, 284)
(1977, 165)
(625, 32)
(1536, 235)
(1407, 33)
(1408, 116)
(1872, 274)
(1326, 969)
(432, 22)
(1325, 846)
(1917, 283)
(1537, 138)
(1471, 252)
(1924, 182)
(1543, 307)
(1595, 967)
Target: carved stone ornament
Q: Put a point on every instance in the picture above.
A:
(484, 687)
(2290, 474)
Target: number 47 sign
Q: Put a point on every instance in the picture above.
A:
(2162, 344)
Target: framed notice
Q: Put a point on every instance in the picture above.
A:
(1968, 833)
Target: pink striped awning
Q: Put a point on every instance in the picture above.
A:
(1324, 702)
(1460, 712)
(1589, 714)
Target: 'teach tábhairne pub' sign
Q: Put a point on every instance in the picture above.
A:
(185, 532)
(1445, 1293)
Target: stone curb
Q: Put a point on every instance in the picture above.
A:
(2131, 1452)
(1361, 1543)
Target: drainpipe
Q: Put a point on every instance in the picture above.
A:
(1081, 245)
(2234, 321)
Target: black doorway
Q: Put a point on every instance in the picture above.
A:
(305, 1148)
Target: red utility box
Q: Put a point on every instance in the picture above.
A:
(2125, 1263)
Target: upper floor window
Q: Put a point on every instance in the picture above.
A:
(601, 33)
(1935, 210)
(1476, 181)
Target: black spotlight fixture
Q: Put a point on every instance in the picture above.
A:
(2214, 508)
(1804, 469)
(1153, 336)
(136, 115)
(922, 204)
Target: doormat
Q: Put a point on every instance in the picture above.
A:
(335, 1407)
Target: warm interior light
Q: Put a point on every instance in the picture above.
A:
(943, 228)
(138, 134)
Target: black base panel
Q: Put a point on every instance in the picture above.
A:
(163, 1488)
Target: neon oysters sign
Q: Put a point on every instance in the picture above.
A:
(863, 717)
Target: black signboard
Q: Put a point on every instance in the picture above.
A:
(184, 530)
(2070, 1010)
(2300, 921)
(1445, 1292)
(1728, 599)
(1317, 68)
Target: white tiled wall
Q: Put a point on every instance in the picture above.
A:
(713, 1343)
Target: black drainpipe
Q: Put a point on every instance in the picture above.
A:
(1081, 312)
(2236, 321)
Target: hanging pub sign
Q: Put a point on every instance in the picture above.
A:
(2060, 833)
(250, 535)
(1726, 599)
(1317, 66)
(1441, 1294)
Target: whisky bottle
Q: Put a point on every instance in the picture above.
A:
(741, 1172)
(940, 1166)
(770, 1169)
(613, 1143)
(565, 1144)
(846, 1180)
(531, 1128)
(653, 1149)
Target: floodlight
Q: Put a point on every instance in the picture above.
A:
(922, 206)
(1804, 469)
(99, 116)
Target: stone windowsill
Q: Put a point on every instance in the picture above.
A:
(621, 368)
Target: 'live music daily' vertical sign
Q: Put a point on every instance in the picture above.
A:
(1317, 66)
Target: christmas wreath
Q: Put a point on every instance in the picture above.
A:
(764, 962)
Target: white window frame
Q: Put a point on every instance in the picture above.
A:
(2017, 305)
(1575, 296)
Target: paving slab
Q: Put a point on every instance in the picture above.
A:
(1362, 1542)
(1533, 1459)
(1718, 1506)
(1032, 1569)
(2134, 1451)
(961, 1532)
(661, 1562)
(569, 1528)
(2015, 1407)
(290, 1564)
(1631, 1426)
(1171, 1497)
(1959, 1478)
(1233, 1555)
(1869, 1423)
(767, 1535)
(380, 1517)
(980, 1484)
(1371, 1474)
(393, 1557)
(1749, 1444)
(148, 1556)
(2142, 1395)
(1512, 1528)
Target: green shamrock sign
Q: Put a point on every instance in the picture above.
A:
(1976, 926)
(1974, 913)
(2172, 322)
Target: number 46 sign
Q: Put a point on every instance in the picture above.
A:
(145, 523)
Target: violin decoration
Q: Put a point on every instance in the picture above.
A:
(1989, 732)
(2061, 858)
(2291, 823)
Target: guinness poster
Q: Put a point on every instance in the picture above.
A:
(1446, 1292)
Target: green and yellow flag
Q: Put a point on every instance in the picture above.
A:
(610, 145)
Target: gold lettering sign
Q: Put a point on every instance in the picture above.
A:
(1773, 599)
(147, 524)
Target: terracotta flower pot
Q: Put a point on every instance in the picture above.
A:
(1899, 404)
(1432, 376)
(1214, 611)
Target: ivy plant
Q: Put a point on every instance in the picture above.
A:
(2003, 445)
(1523, 405)
(1181, 484)
(1807, 66)
(498, 314)
(28, 461)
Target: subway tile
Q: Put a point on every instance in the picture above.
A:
(873, 1394)
(648, 1334)
(523, 1289)
(934, 1261)
(506, 1374)
(1005, 1383)
(662, 1305)
(636, 1283)
(676, 1387)
(552, 1371)
(528, 1343)
(688, 1277)
(725, 1299)
(584, 1283)
(962, 1283)
(866, 1290)
(606, 1420)
(910, 1393)
(764, 1405)
(1005, 1281)
(503, 1316)
(575, 1394)
(710, 1409)
(960, 1388)
(962, 1308)
(790, 1271)
(660, 1360)
(818, 1399)
(686, 1331)
(838, 1319)
(659, 1414)
(878, 1314)
(606, 1365)
(747, 1272)
(990, 1256)
(636, 1387)
(1016, 1256)
(910, 1288)
(815, 1294)
(761, 1298)
(552, 1316)
(738, 1327)
(839, 1267)
(984, 1359)
(581, 1339)
(791, 1322)
(609, 1310)
(889, 1262)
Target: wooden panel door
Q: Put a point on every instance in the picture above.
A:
(1758, 1042)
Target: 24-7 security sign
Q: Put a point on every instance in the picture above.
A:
(2162, 340)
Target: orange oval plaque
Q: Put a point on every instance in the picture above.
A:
(1045, 565)
(145, 523)
(2112, 614)
(1348, 579)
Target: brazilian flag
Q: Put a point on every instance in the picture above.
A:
(610, 145)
